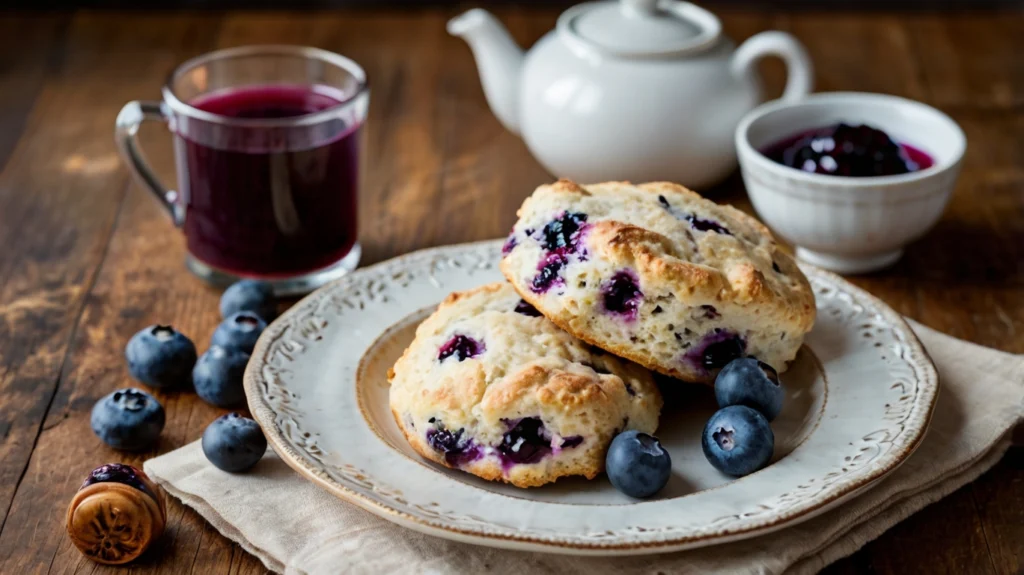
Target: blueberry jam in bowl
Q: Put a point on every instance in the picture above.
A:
(855, 151)
(849, 178)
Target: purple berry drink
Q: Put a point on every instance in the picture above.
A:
(267, 145)
(259, 205)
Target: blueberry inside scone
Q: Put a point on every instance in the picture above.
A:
(491, 387)
(659, 275)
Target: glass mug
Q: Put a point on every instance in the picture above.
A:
(267, 149)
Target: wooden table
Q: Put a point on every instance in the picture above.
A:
(88, 258)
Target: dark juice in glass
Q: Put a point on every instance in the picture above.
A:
(265, 198)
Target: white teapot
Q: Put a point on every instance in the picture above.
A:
(639, 90)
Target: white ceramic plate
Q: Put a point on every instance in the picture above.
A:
(860, 395)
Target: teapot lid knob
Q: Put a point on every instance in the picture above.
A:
(639, 28)
(639, 7)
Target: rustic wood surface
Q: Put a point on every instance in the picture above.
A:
(88, 258)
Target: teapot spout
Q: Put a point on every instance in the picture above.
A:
(498, 59)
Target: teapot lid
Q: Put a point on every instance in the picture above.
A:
(639, 28)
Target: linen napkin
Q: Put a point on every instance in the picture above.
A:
(295, 527)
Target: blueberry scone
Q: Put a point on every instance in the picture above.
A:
(491, 387)
(659, 275)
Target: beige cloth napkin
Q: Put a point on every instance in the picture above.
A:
(295, 527)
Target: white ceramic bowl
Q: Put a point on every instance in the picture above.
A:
(850, 225)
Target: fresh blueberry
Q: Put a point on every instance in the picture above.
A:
(234, 443)
(160, 356)
(129, 419)
(738, 440)
(747, 381)
(637, 464)
(249, 295)
(218, 376)
(239, 332)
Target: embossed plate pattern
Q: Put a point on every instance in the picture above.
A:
(861, 394)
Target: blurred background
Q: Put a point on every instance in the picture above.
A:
(89, 257)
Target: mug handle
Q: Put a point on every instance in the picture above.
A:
(131, 117)
(799, 69)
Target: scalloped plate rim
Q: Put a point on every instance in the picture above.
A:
(254, 380)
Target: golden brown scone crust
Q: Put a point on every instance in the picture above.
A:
(524, 368)
(712, 281)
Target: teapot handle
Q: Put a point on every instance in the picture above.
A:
(799, 69)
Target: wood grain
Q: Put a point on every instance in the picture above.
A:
(972, 60)
(63, 190)
(88, 260)
(28, 47)
(54, 229)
